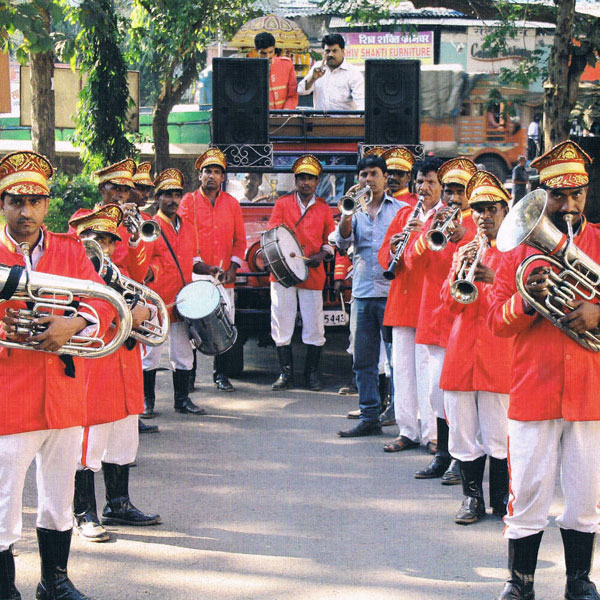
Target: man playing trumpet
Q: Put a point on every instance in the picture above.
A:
(554, 407)
(476, 373)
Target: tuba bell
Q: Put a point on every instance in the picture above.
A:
(47, 294)
(573, 274)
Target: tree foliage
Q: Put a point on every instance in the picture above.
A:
(68, 193)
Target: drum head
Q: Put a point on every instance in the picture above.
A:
(198, 299)
(288, 245)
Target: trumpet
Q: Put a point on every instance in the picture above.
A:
(147, 230)
(439, 236)
(463, 288)
(573, 274)
(134, 293)
(356, 198)
(48, 294)
(390, 274)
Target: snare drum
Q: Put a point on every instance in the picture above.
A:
(283, 255)
(205, 311)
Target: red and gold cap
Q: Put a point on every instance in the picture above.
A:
(105, 219)
(120, 173)
(307, 164)
(486, 187)
(563, 166)
(213, 156)
(142, 174)
(25, 173)
(376, 150)
(399, 159)
(457, 170)
(169, 179)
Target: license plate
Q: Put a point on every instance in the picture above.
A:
(335, 318)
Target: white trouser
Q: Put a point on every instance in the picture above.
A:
(535, 450)
(284, 306)
(411, 403)
(478, 424)
(115, 443)
(181, 352)
(434, 362)
(56, 452)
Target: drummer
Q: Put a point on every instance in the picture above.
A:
(311, 220)
(171, 266)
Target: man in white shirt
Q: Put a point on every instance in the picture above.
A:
(337, 85)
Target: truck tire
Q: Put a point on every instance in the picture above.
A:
(236, 357)
(495, 165)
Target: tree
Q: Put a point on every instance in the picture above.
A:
(170, 37)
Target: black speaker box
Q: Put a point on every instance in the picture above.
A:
(240, 101)
(392, 101)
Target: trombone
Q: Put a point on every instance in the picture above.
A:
(439, 235)
(463, 288)
(355, 198)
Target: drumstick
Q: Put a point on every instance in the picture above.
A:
(294, 255)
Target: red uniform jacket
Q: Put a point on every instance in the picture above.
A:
(406, 196)
(404, 298)
(553, 377)
(132, 261)
(167, 280)
(435, 320)
(312, 231)
(476, 360)
(219, 229)
(283, 85)
(35, 393)
(343, 267)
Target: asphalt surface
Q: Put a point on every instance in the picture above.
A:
(262, 500)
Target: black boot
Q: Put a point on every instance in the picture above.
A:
(8, 591)
(220, 373)
(143, 428)
(579, 550)
(473, 504)
(149, 395)
(183, 404)
(54, 554)
(87, 522)
(118, 509)
(311, 368)
(192, 385)
(498, 485)
(285, 381)
(441, 460)
(522, 560)
(452, 474)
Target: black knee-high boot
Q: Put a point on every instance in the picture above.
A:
(579, 550)
(8, 591)
(441, 460)
(522, 561)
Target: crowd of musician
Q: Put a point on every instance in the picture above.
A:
(484, 315)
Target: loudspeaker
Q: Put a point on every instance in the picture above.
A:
(392, 101)
(240, 101)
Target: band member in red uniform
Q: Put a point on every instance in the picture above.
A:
(283, 85)
(110, 435)
(41, 394)
(476, 373)
(311, 220)
(143, 187)
(220, 235)
(435, 320)
(171, 268)
(554, 410)
(411, 402)
(400, 162)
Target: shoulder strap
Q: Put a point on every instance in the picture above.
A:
(173, 255)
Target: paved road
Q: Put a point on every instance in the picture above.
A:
(261, 500)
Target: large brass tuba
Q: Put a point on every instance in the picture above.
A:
(573, 274)
(134, 293)
(48, 294)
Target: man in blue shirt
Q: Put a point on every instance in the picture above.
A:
(365, 229)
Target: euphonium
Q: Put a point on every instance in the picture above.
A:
(355, 198)
(403, 241)
(134, 293)
(48, 294)
(148, 230)
(463, 288)
(573, 274)
(438, 237)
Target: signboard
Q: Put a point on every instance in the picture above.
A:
(378, 44)
(67, 84)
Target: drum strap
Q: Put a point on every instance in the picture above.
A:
(300, 219)
(173, 255)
